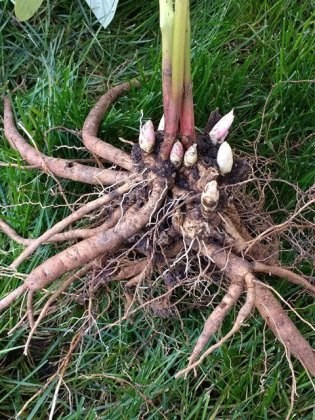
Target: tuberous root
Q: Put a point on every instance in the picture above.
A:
(214, 322)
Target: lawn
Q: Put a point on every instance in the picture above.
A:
(256, 57)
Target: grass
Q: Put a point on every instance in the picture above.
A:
(253, 56)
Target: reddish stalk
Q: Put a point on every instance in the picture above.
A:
(187, 117)
(178, 60)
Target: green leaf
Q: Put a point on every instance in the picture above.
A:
(104, 10)
(25, 9)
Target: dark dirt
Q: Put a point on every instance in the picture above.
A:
(206, 149)
(214, 117)
(240, 172)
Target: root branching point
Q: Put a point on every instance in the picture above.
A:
(165, 232)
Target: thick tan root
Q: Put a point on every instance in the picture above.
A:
(12, 234)
(216, 318)
(59, 167)
(241, 317)
(30, 311)
(268, 306)
(12, 296)
(283, 328)
(93, 121)
(105, 243)
(231, 264)
(63, 224)
(283, 273)
(64, 236)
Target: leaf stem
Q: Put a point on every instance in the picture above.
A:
(187, 118)
(177, 77)
(166, 26)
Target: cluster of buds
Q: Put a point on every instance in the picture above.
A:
(189, 158)
(217, 136)
(177, 155)
(210, 195)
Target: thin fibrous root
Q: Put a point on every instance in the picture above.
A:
(64, 236)
(78, 214)
(130, 297)
(216, 318)
(105, 243)
(92, 123)
(64, 285)
(241, 317)
(131, 270)
(283, 328)
(59, 167)
(116, 274)
(134, 281)
(283, 273)
(59, 372)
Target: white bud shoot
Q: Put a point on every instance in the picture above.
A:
(177, 154)
(161, 124)
(210, 196)
(225, 158)
(221, 129)
(191, 156)
(147, 137)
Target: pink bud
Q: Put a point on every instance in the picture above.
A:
(221, 129)
(147, 137)
(177, 154)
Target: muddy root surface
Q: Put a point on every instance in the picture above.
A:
(159, 235)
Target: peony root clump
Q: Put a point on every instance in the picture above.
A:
(182, 208)
(164, 212)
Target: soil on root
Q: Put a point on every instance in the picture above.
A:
(166, 238)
